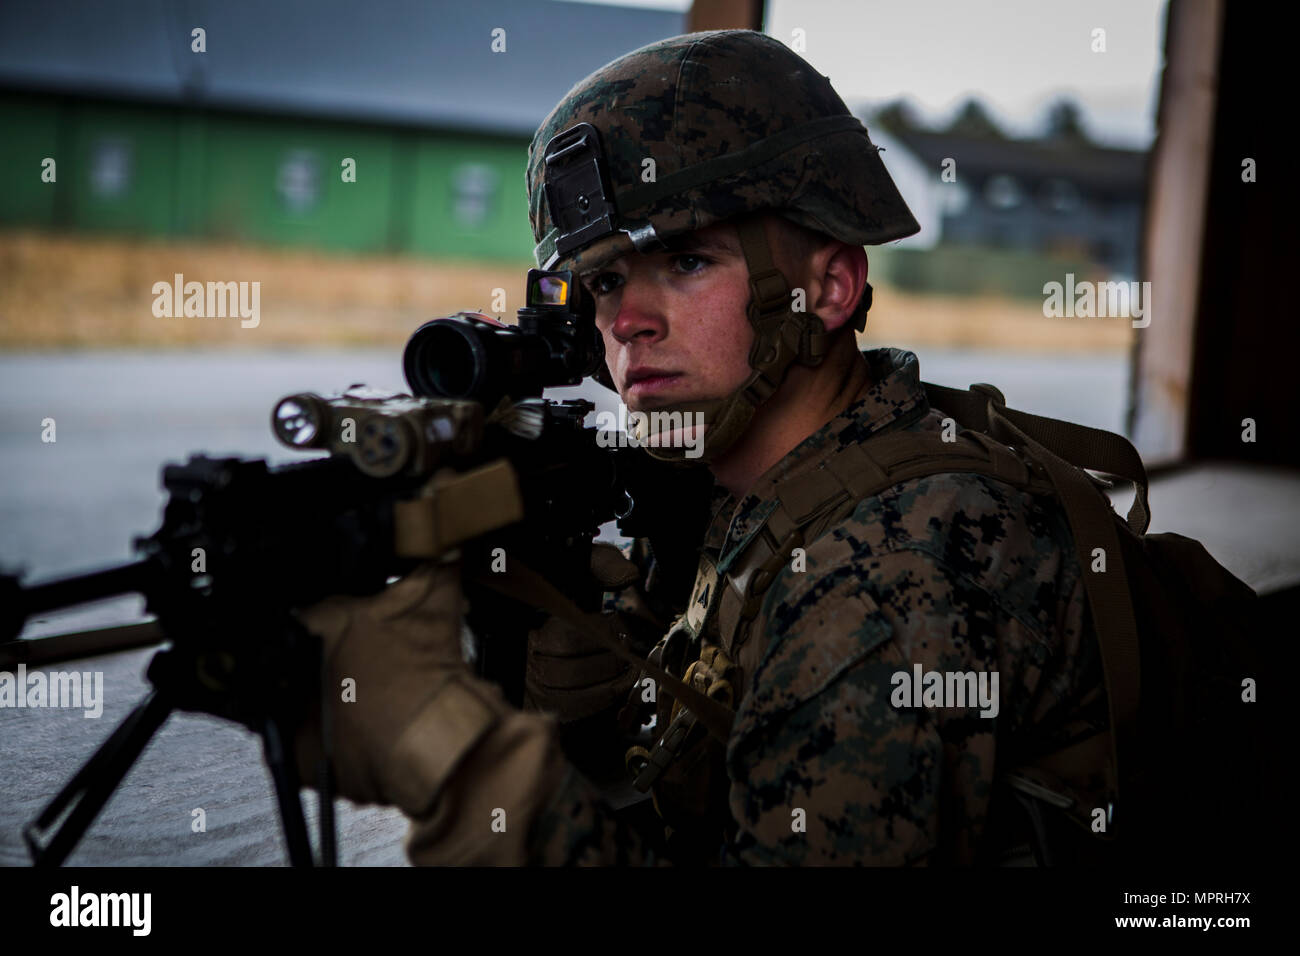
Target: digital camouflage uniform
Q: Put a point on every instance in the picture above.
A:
(956, 572)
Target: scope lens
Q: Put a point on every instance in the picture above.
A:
(444, 359)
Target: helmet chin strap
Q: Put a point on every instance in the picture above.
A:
(782, 337)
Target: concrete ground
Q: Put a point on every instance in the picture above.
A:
(194, 762)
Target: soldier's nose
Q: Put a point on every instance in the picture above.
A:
(639, 316)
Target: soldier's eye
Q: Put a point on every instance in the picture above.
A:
(690, 263)
(602, 283)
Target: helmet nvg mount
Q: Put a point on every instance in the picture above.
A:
(698, 129)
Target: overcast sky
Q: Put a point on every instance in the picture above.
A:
(1018, 55)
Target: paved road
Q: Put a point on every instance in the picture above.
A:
(75, 504)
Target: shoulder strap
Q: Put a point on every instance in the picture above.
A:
(859, 471)
(1092, 448)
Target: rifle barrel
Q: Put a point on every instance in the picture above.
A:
(80, 588)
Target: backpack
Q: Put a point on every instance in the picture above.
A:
(1178, 655)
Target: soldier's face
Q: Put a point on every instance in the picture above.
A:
(674, 322)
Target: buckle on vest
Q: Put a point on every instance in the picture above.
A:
(665, 749)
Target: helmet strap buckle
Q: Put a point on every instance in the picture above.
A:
(769, 293)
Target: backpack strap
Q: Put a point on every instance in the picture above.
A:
(1091, 448)
(1057, 446)
(1092, 522)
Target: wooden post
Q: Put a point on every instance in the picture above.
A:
(725, 15)
(1172, 244)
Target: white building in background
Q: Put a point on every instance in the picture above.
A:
(920, 186)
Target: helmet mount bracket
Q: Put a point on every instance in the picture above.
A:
(577, 188)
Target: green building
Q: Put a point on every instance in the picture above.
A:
(398, 128)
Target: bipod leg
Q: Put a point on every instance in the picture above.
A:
(284, 773)
(80, 801)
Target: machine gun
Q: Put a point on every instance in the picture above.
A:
(476, 460)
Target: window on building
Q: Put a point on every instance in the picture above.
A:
(1061, 196)
(954, 198)
(111, 166)
(298, 181)
(1003, 192)
(474, 190)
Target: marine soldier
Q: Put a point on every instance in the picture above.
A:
(723, 241)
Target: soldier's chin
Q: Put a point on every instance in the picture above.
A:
(688, 437)
(649, 403)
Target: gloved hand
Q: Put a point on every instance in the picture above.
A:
(569, 674)
(405, 709)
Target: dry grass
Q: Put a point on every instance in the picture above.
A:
(77, 291)
(986, 322)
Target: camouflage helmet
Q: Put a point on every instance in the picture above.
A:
(698, 129)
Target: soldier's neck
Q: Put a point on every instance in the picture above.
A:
(806, 400)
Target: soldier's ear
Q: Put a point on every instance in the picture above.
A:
(839, 274)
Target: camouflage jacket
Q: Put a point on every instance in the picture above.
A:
(830, 761)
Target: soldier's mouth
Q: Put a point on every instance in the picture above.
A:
(642, 382)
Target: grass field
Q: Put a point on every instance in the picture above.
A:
(87, 292)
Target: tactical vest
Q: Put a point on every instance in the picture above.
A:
(711, 648)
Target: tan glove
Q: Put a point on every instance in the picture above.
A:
(405, 709)
(569, 674)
